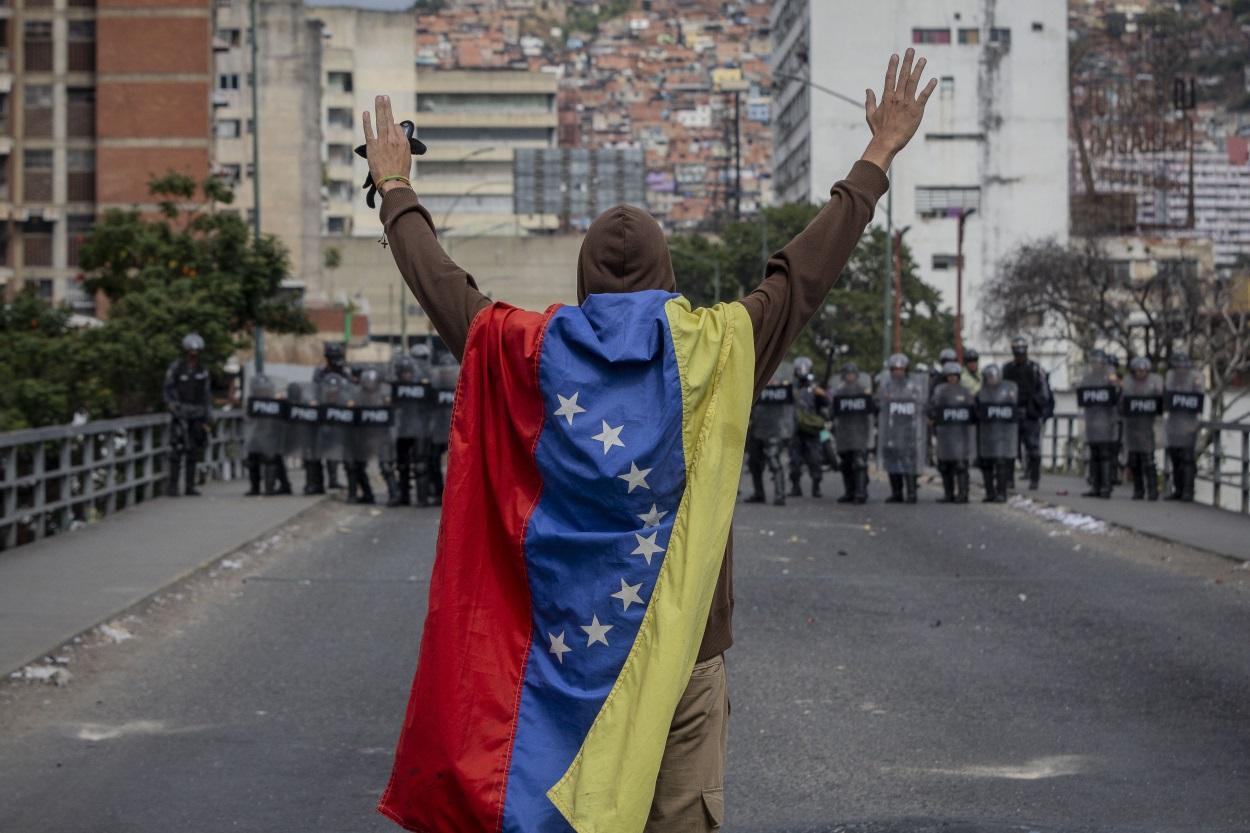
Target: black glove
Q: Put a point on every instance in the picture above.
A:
(414, 144)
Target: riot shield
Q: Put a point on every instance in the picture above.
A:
(444, 377)
(772, 417)
(302, 421)
(337, 416)
(998, 421)
(412, 397)
(371, 433)
(851, 408)
(953, 411)
(1141, 405)
(902, 424)
(1097, 395)
(264, 430)
(1183, 400)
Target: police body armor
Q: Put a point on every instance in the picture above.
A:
(1183, 400)
(334, 395)
(189, 383)
(901, 424)
(264, 432)
(1097, 396)
(302, 420)
(998, 421)
(953, 412)
(1141, 404)
(852, 408)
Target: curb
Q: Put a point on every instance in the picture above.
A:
(186, 574)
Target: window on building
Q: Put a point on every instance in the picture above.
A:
(930, 35)
(228, 81)
(81, 46)
(340, 117)
(339, 154)
(228, 128)
(970, 36)
(336, 225)
(232, 37)
(1037, 26)
(232, 174)
(339, 82)
(80, 174)
(1002, 37)
(946, 88)
(4, 45)
(946, 200)
(41, 286)
(37, 174)
(37, 244)
(945, 261)
(77, 227)
(80, 112)
(340, 189)
(37, 109)
(37, 42)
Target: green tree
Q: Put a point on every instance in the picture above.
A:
(188, 269)
(849, 325)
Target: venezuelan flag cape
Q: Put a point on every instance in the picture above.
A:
(595, 456)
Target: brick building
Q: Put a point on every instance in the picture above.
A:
(92, 105)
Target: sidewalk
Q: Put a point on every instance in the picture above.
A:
(53, 590)
(1192, 524)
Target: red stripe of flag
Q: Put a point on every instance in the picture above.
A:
(451, 763)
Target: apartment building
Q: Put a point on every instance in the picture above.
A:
(994, 139)
(285, 132)
(92, 107)
(472, 121)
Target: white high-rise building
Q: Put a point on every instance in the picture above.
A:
(994, 136)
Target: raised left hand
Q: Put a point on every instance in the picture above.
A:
(388, 151)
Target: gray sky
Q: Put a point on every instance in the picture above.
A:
(363, 4)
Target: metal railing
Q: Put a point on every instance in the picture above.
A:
(60, 477)
(1223, 462)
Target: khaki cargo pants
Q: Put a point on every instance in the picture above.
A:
(690, 792)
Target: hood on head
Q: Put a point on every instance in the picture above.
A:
(624, 251)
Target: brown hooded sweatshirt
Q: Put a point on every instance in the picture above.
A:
(625, 251)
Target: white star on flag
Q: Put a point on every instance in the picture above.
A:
(647, 546)
(609, 436)
(596, 632)
(636, 477)
(652, 518)
(569, 407)
(558, 647)
(629, 594)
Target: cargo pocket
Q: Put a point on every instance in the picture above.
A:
(714, 807)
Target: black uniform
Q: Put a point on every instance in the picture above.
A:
(1036, 404)
(188, 395)
(811, 405)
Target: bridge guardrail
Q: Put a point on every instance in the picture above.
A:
(1223, 465)
(61, 476)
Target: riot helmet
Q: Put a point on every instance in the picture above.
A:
(948, 354)
(420, 351)
(405, 368)
(971, 356)
(1140, 366)
(334, 354)
(850, 372)
(370, 380)
(1180, 360)
(991, 375)
(802, 368)
(1020, 347)
(192, 343)
(951, 368)
(897, 364)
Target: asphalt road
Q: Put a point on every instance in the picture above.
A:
(914, 668)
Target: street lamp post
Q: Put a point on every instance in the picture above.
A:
(964, 214)
(887, 303)
(258, 335)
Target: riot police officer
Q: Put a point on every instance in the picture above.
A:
(936, 376)
(970, 378)
(445, 376)
(1037, 404)
(809, 421)
(369, 437)
(997, 432)
(1097, 395)
(901, 427)
(188, 396)
(951, 409)
(265, 439)
(1141, 404)
(852, 409)
(302, 419)
(411, 395)
(335, 395)
(1183, 400)
(335, 365)
(771, 427)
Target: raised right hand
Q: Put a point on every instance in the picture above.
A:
(895, 119)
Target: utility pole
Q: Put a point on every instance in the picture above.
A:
(889, 310)
(896, 279)
(964, 214)
(737, 156)
(258, 335)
